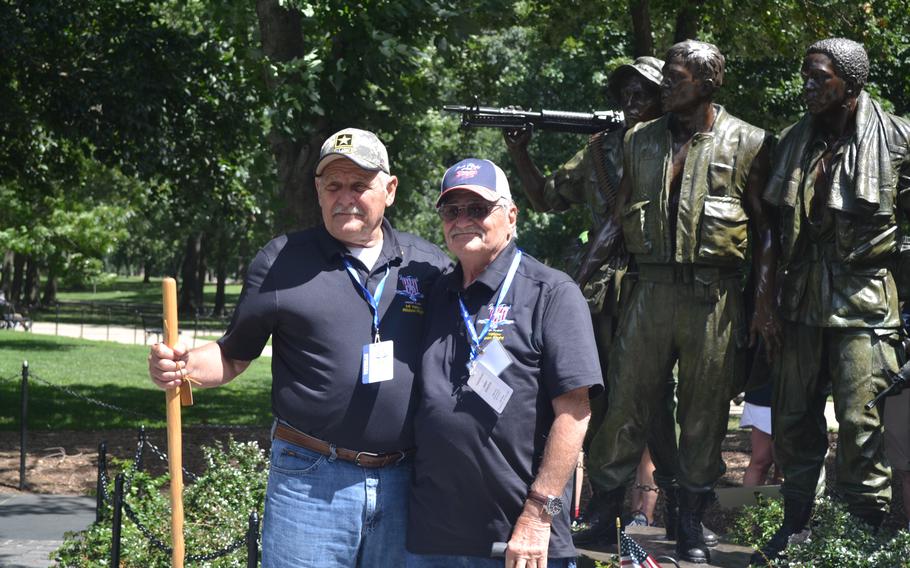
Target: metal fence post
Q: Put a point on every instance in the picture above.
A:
(136, 327)
(117, 521)
(57, 319)
(107, 335)
(81, 323)
(99, 488)
(23, 425)
(141, 451)
(252, 541)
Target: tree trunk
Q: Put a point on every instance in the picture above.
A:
(282, 40)
(30, 294)
(687, 19)
(147, 271)
(642, 38)
(50, 286)
(201, 269)
(6, 274)
(15, 295)
(188, 274)
(221, 260)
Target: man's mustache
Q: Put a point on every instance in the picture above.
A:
(342, 210)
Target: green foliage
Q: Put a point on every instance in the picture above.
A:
(837, 539)
(216, 508)
(756, 523)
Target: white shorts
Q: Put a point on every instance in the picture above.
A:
(756, 416)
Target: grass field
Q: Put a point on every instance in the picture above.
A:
(130, 289)
(115, 374)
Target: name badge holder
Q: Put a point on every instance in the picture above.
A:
(378, 363)
(486, 363)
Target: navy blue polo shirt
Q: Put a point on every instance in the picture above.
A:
(298, 292)
(474, 467)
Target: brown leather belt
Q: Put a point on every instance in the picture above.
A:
(363, 459)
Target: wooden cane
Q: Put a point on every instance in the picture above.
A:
(173, 399)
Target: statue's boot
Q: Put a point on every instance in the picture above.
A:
(601, 529)
(690, 541)
(796, 517)
(671, 517)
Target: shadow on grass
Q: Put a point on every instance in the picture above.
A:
(52, 408)
(38, 345)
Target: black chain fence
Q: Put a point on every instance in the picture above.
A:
(250, 537)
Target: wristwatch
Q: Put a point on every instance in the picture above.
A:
(552, 505)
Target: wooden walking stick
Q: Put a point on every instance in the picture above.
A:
(174, 397)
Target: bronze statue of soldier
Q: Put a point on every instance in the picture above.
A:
(688, 206)
(592, 178)
(840, 176)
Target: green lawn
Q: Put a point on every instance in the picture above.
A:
(130, 289)
(115, 374)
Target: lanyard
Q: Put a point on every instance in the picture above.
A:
(477, 339)
(372, 301)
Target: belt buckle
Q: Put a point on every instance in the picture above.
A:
(368, 454)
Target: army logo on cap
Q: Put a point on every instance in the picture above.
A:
(344, 142)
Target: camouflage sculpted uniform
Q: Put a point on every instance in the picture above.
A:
(687, 305)
(839, 299)
(576, 181)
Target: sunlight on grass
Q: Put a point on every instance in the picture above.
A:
(114, 374)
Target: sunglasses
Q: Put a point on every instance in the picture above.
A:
(473, 211)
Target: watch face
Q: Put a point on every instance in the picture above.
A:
(554, 506)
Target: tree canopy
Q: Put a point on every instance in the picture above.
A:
(177, 136)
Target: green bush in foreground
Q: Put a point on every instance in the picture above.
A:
(837, 539)
(216, 509)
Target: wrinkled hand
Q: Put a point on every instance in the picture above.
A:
(765, 324)
(167, 366)
(518, 139)
(528, 546)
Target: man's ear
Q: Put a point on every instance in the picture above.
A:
(390, 188)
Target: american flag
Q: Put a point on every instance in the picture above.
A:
(633, 555)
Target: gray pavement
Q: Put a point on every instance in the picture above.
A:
(32, 526)
(117, 334)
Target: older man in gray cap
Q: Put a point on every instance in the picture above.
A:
(344, 305)
(591, 178)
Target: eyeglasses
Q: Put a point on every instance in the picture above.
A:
(473, 211)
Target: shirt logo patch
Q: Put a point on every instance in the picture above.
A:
(409, 288)
(499, 318)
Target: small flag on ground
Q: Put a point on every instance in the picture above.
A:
(633, 555)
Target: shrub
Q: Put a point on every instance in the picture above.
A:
(216, 508)
(837, 539)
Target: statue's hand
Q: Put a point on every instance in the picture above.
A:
(518, 139)
(766, 324)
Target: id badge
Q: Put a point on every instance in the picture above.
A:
(489, 387)
(378, 362)
(495, 357)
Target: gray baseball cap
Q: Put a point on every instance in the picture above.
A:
(360, 146)
(647, 67)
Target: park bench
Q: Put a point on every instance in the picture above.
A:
(10, 319)
(152, 325)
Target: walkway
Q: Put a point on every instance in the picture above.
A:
(117, 334)
(32, 526)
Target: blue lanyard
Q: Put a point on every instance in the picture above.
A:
(477, 339)
(372, 301)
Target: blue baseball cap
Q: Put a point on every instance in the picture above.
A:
(482, 177)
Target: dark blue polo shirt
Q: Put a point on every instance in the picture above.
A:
(474, 467)
(298, 292)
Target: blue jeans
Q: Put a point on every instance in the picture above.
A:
(321, 511)
(442, 561)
